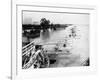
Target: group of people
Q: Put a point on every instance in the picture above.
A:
(36, 57)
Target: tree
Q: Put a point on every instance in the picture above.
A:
(44, 23)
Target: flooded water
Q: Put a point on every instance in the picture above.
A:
(51, 36)
(77, 45)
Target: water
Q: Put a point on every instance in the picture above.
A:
(51, 36)
(78, 46)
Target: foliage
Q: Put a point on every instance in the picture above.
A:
(44, 23)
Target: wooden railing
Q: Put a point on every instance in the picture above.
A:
(26, 49)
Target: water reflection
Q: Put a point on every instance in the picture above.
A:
(45, 35)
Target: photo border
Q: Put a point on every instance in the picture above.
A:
(17, 34)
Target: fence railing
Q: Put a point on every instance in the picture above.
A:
(26, 49)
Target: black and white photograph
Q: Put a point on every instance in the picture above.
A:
(54, 39)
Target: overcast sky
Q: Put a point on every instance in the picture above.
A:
(58, 18)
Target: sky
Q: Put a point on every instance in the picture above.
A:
(30, 17)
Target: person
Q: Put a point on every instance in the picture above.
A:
(73, 31)
(39, 55)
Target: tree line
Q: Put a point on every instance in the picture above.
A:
(44, 24)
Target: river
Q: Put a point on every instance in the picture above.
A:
(78, 45)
